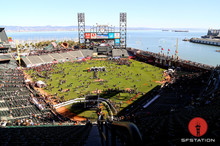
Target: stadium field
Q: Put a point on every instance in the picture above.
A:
(78, 82)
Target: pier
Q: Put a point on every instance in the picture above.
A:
(165, 61)
(214, 42)
(212, 38)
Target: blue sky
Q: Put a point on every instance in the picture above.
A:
(140, 13)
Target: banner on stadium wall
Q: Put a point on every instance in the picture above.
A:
(117, 35)
(93, 35)
(132, 57)
(111, 35)
(89, 58)
(87, 35)
(102, 36)
(117, 41)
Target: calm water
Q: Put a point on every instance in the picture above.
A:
(146, 40)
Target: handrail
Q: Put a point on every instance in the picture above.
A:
(128, 129)
(127, 132)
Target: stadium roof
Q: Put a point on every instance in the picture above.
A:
(5, 57)
(3, 36)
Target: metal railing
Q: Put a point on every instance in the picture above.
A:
(119, 133)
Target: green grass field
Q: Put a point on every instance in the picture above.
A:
(116, 76)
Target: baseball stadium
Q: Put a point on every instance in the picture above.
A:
(101, 92)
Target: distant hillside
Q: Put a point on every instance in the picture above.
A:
(75, 28)
(39, 28)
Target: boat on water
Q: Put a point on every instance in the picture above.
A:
(180, 30)
(186, 39)
(165, 30)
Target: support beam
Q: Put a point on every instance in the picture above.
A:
(123, 30)
(81, 28)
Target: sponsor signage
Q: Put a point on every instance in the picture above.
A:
(117, 41)
(87, 35)
(102, 36)
(117, 35)
(93, 35)
(111, 35)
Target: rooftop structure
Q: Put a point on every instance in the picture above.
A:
(212, 33)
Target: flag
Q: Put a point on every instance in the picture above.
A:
(176, 51)
(54, 44)
(55, 61)
(168, 49)
(162, 49)
(88, 58)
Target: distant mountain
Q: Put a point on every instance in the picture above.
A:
(39, 28)
(75, 28)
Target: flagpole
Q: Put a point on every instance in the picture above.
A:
(176, 50)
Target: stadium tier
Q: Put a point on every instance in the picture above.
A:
(16, 102)
(56, 56)
(46, 58)
(79, 54)
(5, 57)
(120, 53)
(87, 53)
(4, 43)
(3, 35)
(45, 135)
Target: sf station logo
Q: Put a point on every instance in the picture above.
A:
(198, 127)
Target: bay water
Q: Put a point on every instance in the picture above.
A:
(148, 40)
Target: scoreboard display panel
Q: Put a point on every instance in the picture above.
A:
(102, 39)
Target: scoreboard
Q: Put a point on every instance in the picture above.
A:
(110, 36)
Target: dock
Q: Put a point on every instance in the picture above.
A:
(165, 61)
(214, 42)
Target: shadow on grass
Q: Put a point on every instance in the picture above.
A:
(134, 106)
(89, 112)
(83, 111)
(109, 94)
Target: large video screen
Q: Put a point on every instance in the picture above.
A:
(110, 35)
(106, 39)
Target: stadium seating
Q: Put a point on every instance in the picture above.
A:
(5, 57)
(65, 55)
(76, 54)
(44, 135)
(46, 58)
(86, 53)
(120, 53)
(34, 60)
(16, 101)
(166, 120)
(42, 59)
(56, 56)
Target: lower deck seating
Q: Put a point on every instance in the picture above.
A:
(44, 135)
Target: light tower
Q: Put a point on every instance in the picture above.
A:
(81, 28)
(123, 30)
